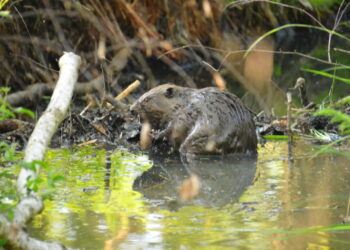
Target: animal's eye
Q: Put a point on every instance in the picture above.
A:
(169, 92)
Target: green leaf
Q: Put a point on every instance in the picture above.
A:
(33, 185)
(5, 13)
(332, 76)
(28, 165)
(345, 100)
(2, 242)
(10, 214)
(4, 90)
(10, 153)
(59, 178)
(32, 165)
(5, 175)
(276, 137)
(5, 113)
(54, 177)
(24, 111)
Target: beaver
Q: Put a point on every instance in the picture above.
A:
(198, 121)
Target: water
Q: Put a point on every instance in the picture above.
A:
(115, 200)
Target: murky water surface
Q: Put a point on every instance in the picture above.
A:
(112, 200)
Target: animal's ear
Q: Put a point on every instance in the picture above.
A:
(169, 92)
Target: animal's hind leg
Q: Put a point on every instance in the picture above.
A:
(199, 143)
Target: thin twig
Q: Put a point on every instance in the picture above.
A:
(228, 53)
(338, 17)
(342, 50)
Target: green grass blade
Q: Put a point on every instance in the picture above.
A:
(321, 73)
(327, 148)
(289, 26)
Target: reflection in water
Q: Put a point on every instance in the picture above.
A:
(223, 179)
(285, 208)
(107, 178)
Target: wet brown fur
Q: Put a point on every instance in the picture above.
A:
(199, 121)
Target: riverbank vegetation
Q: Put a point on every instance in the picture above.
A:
(260, 50)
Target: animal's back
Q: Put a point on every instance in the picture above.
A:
(222, 124)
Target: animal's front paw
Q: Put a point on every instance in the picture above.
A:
(160, 135)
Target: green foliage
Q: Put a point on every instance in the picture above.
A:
(33, 185)
(2, 3)
(344, 126)
(337, 116)
(323, 4)
(251, 47)
(24, 111)
(2, 242)
(52, 178)
(278, 70)
(339, 73)
(32, 165)
(7, 152)
(6, 111)
(8, 194)
(332, 76)
(344, 101)
(8, 156)
(3, 13)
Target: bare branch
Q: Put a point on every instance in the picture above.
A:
(53, 115)
(338, 17)
(31, 203)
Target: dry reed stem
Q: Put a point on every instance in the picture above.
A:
(128, 90)
(289, 112)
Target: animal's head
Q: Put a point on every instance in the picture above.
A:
(158, 104)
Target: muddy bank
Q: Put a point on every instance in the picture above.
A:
(121, 128)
